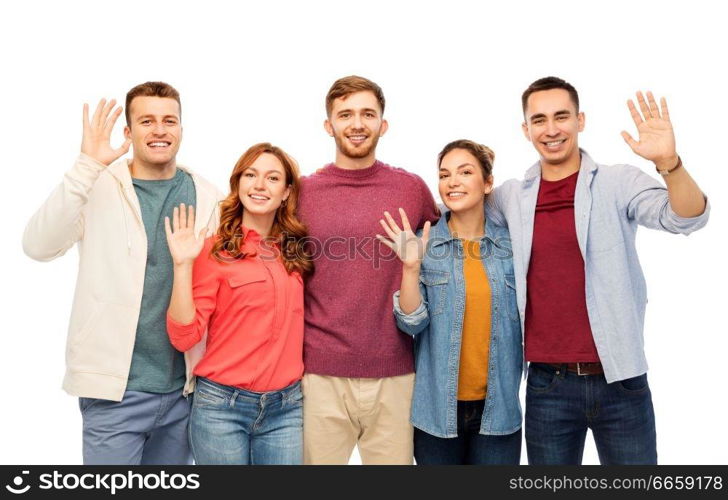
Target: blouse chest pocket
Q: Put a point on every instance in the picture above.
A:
(247, 277)
(436, 289)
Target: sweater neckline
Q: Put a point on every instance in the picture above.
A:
(358, 173)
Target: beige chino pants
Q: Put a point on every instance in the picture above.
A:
(373, 413)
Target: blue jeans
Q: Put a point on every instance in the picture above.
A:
(143, 428)
(470, 447)
(561, 406)
(233, 426)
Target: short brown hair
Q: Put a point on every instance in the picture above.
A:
(548, 83)
(483, 154)
(343, 87)
(150, 89)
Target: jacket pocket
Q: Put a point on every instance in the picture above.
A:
(604, 234)
(105, 342)
(436, 289)
(87, 326)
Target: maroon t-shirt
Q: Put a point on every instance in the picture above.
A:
(557, 323)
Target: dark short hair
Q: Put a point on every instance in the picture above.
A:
(150, 89)
(548, 83)
(344, 87)
(483, 154)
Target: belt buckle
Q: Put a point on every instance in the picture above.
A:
(578, 369)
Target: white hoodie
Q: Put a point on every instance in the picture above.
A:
(97, 207)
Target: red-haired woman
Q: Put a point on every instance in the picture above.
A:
(243, 289)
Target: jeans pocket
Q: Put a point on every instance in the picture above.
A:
(202, 398)
(294, 398)
(634, 385)
(85, 403)
(541, 379)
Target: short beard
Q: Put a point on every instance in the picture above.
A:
(350, 152)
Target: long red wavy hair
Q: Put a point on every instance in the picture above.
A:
(287, 230)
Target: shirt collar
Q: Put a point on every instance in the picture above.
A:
(440, 233)
(587, 164)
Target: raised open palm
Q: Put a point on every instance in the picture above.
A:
(656, 138)
(404, 242)
(96, 141)
(184, 244)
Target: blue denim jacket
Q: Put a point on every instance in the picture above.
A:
(609, 203)
(437, 329)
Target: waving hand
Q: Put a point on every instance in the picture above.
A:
(656, 140)
(96, 140)
(409, 248)
(183, 244)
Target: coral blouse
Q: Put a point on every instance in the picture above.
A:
(252, 312)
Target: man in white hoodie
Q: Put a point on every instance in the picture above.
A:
(131, 383)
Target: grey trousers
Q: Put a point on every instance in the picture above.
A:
(142, 429)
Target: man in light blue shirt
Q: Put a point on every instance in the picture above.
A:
(581, 291)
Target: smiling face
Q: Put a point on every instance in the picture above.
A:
(263, 185)
(462, 186)
(356, 124)
(155, 130)
(552, 125)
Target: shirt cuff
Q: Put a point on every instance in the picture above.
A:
(180, 329)
(415, 317)
(687, 225)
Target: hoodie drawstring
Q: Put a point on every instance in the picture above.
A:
(123, 212)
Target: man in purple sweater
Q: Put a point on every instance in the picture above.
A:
(359, 367)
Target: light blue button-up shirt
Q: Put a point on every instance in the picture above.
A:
(609, 203)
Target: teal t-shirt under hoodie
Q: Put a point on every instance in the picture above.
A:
(156, 366)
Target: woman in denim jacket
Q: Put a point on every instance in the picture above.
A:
(458, 300)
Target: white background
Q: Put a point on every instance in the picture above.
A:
(448, 69)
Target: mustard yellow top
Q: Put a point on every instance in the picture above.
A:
(473, 375)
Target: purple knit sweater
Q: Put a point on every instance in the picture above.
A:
(349, 326)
